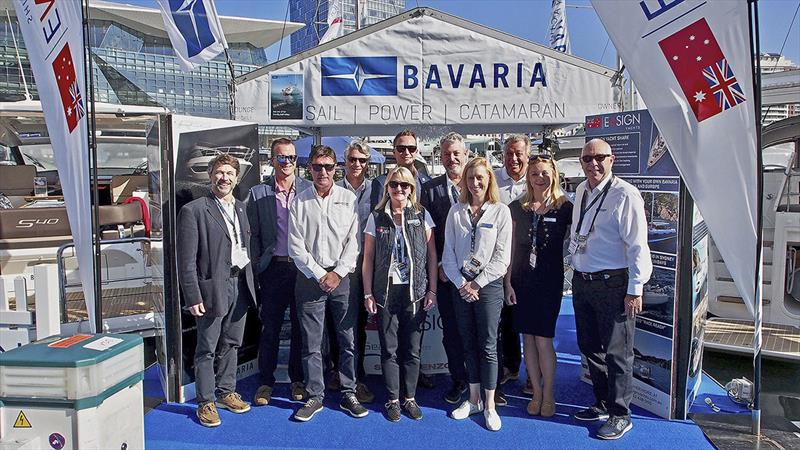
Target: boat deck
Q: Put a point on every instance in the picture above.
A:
(736, 336)
(117, 302)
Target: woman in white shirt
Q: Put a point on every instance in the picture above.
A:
(399, 277)
(477, 253)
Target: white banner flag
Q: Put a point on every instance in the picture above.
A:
(53, 34)
(335, 21)
(194, 30)
(691, 61)
(558, 35)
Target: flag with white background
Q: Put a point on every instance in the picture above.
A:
(194, 30)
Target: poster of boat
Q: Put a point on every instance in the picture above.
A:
(286, 96)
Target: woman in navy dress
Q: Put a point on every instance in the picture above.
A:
(541, 220)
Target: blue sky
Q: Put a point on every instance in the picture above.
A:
(528, 19)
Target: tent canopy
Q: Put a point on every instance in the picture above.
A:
(337, 143)
(428, 71)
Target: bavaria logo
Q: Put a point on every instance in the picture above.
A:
(192, 22)
(359, 76)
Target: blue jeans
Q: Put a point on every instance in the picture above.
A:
(478, 322)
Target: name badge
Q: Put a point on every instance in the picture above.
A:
(549, 219)
(486, 225)
(414, 222)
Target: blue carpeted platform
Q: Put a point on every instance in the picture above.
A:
(171, 426)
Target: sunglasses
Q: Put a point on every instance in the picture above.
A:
(328, 167)
(353, 159)
(402, 184)
(406, 148)
(543, 155)
(598, 158)
(286, 159)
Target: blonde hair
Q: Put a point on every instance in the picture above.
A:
(402, 175)
(554, 197)
(492, 193)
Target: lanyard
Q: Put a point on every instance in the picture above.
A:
(229, 219)
(535, 227)
(453, 194)
(601, 198)
(399, 252)
(474, 222)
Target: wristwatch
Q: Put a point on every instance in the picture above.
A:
(368, 296)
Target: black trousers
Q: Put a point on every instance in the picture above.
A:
(451, 340)
(508, 341)
(400, 327)
(218, 342)
(311, 304)
(277, 294)
(478, 323)
(605, 338)
(331, 346)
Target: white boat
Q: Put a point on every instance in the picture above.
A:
(657, 150)
(201, 155)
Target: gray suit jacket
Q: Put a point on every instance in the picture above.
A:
(263, 216)
(204, 255)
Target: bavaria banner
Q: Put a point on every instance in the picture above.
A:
(335, 21)
(691, 61)
(558, 34)
(53, 34)
(426, 68)
(194, 30)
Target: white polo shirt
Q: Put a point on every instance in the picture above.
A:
(510, 190)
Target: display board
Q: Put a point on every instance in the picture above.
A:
(643, 160)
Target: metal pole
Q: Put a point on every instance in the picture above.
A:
(232, 85)
(755, 51)
(98, 289)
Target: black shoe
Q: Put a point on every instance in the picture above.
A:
(412, 409)
(393, 411)
(614, 428)
(500, 398)
(307, 411)
(591, 414)
(453, 395)
(425, 381)
(350, 404)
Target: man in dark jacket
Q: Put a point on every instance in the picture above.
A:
(216, 281)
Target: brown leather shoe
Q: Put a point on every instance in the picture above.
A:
(207, 415)
(263, 395)
(233, 402)
(299, 392)
(363, 394)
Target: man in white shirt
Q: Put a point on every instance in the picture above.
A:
(511, 184)
(612, 263)
(323, 244)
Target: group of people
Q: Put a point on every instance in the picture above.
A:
(485, 246)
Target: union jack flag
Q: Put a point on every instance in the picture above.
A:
(723, 84)
(77, 100)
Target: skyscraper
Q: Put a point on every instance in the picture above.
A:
(314, 14)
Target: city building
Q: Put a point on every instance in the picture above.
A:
(133, 62)
(314, 14)
(773, 63)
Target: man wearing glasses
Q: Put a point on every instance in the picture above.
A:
(612, 263)
(323, 243)
(357, 157)
(268, 213)
(405, 152)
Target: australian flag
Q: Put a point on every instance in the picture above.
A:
(68, 89)
(703, 72)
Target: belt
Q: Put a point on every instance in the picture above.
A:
(601, 275)
(281, 258)
(236, 271)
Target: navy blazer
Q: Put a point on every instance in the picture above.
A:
(263, 215)
(436, 200)
(204, 255)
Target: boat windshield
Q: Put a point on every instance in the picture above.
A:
(109, 156)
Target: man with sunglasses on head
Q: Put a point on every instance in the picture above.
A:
(268, 213)
(511, 184)
(405, 152)
(357, 156)
(437, 196)
(323, 243)
(611, 262)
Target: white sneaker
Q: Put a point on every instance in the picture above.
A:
(492, 420)
(466, 409)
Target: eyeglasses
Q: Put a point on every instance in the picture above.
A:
(599, 158)
(328, 167)
(285, 159)
(353, 159)
(405, 148)
(401, 184)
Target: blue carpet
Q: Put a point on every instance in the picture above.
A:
(171, 426)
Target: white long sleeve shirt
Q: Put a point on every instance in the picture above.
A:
(323, 232)
(492, 243)
(619, 237)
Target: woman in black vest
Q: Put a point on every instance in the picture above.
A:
(399, 276)
(535, 281)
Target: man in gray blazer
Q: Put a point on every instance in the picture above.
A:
(268, 211)
(216, 281)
